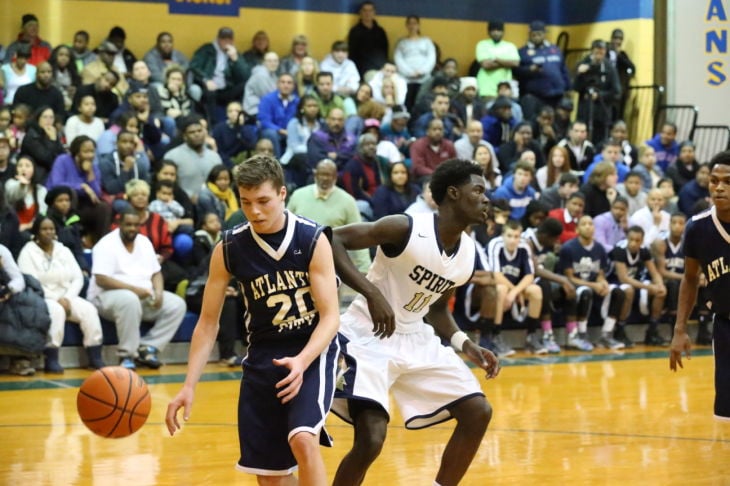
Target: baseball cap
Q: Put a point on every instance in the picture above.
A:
(372, 122)
(502, 102)
(225, 33)
(537, 26)
(107, 46)
(135, 87)
(400, 114)
(467, 82)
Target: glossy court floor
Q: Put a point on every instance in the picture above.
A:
(571, 419)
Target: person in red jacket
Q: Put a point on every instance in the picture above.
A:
(40, 50)
(569, 216)
(430, 151)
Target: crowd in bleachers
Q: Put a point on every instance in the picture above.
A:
(88, 136)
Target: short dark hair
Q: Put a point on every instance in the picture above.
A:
(568, 178)
(620, 200)
(339, 45)
(76, 143)
(164, 183)
(216, 171)
(677, 214)
(258, 169)
(323, 74)
(83, 34)
(550, 227)
(36, 227)
(635, 229)
(452, 173)
(577, 195)
(524, 165)
(128, 211)
(117, 32)
(723, 158)
(632, 173)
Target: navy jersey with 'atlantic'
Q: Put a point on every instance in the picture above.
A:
(635, 264)
(274, 282)
(706, 239)
(514, 266)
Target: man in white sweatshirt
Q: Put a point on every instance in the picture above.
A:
(345, 74)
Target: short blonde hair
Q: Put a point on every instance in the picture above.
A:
(136, 186)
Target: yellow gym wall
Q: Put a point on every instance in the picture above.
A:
(59, 19)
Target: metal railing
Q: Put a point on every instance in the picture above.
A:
(710, 140)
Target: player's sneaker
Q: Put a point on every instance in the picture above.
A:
(548, 340)
(579, 343)
(653, 338)
(502, 349)
(127, 362)
(620, 335)
(535, 345)
(608, 342)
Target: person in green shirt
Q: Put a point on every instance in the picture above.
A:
(496, 58)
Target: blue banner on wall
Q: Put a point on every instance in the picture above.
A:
(227, 8)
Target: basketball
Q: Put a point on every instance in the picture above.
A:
(113, 402)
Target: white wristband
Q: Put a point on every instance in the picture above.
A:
(458, 339)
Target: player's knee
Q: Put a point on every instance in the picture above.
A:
(476, 413)
(369, 443)
(304, 446)
(533, 292)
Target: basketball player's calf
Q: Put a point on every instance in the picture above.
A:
(371, 425)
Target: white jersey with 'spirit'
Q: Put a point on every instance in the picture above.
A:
(419, 275)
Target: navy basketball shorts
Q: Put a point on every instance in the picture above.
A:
(721, 347)
(265, 425)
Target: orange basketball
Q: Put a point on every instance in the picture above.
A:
(113, 402)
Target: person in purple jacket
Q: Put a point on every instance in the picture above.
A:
(79, 171)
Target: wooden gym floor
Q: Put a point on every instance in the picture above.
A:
(600, 418)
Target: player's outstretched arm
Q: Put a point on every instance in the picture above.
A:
(323, 285)
(443, 322)
(687, 299)
(390, 231)
(204, 336)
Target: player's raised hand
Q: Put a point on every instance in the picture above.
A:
(483, 358)
(290, 385)
(680, 344)
(183, 399)
(382, 314)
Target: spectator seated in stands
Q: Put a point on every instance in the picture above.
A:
(557, 164)
(42, 141)
(569, 216)
(610, 227)
(217, 196)
(360, 176)
(175, 215)
(518, 190)
(396, 131)
(509, 153)
(324, 92)
(155, 228)
(102, 90)
(632, 189)
(430, 151)
(499, 122)
(60, 276)
(42, 92)
(439, 110)
(85, 123)
(173, 96)
(331, 141)
(695, 191)
(220, 72)
(162, 57)
(262, 82)
(666, 146)
(685, 167)
(580, 149)
(25, 193)
(600, 190)
(121, 166)
(127, 287)
(652, 218)
(60, 202)
(345, 77)
(275, 111)
(611, 152)
(558, 194)
(646, 167)
(234, 136)
(396, 193)
(24, 319)
(483, 156)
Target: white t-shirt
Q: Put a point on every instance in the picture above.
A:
(111, 258)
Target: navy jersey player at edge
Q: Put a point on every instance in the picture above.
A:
(388, 347)
(285, 270)
(707, 249)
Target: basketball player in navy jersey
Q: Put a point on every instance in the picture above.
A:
(511, 262)
(284, 267)
(669, 257)
(634, 266)
(584, 261)
(386, 344)
(557, 289)
(707, 250)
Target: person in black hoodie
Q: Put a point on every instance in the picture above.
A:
(42, 142)
(61, 204)
(10, 235)
(685, 168)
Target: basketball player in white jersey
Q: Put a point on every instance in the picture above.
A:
(386, 344)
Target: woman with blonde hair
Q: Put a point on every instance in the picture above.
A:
(306, 76)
